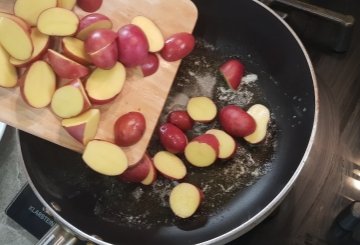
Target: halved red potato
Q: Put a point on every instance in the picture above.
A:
(185, 199)
(105, 158)
(38, 84)
(84, 126)
(30, 10)
(169, 165)
(138, 172)
(40, 42)
(201, 109)
(8, 74)
(100, 93)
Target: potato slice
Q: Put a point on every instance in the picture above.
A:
(185, 199)
(15, 39)
(105, 158)
(29, 10)
(58, 22)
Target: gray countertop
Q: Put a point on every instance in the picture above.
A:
(12, 178)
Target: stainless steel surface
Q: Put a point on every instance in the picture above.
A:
(57, 236)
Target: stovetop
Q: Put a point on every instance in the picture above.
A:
(330, 180)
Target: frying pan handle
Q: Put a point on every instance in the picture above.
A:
(334, 32)
(345, 20)
(57, 236)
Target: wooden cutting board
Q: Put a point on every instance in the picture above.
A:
(147, 95)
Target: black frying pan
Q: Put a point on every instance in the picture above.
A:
(239, 193)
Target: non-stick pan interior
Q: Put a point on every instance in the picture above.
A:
(235, 190)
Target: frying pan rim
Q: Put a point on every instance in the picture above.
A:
(262, 214)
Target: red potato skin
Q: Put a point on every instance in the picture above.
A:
(100, 102)
(87, 21)
(178, 46)
(92, 18)
(76, 132)
(63, 69)
(99, 39)
(150, 65)
(89, 5)
(137, 172)
(232, 71)
(129, 128)
(172, 138)
(133, 46)
(106, 57)
(181, 119)
(236, 122)
(210, 140)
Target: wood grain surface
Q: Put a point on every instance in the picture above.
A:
(146, 95)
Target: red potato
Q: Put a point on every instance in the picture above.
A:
(209, 139)
(150, 65)
(178, 46)
(232, 71)
(181, 119)
(261, 115)
(133, 46)
(102, 48)
(100, 92)
(152, 32)
(148, 68)
(70, 100)
(89, 5)
(105, 158)
(58, 22)
(74, 49)
(236, 122)
(99, 39)
(83, 128)
(172, 138)
(201, 109)
(40, 42)
(129, 128)
(202, 151)
(152, 175)
(15, 38)
(22, 9)
(92, 22)
(169, 165)
(38, 84)
(227, 144)
(106, 57)
(139, 171)
(65, 67)
(24, 25)
(8, 74)
(185, 199)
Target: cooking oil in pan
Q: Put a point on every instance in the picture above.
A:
(142, 207)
